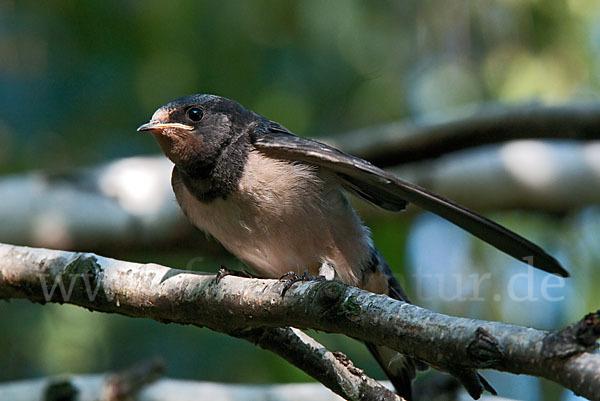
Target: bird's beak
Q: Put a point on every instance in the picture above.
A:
(157, 126)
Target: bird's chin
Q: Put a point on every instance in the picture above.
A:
(165, 141)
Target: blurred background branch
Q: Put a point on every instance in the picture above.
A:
(437, 134)
(89, 388)
(129, 203)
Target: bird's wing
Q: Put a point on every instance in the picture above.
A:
(392, 193)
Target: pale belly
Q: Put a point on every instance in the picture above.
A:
(287, 218)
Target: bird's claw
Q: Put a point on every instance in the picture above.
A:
(224, 271)
(292, 278)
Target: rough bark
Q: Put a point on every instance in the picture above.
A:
(237, 305)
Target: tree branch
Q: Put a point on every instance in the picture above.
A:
(530, 175)
(125, 203)
(236, 305)
(333, 369)
(168, 295)
(408, 141)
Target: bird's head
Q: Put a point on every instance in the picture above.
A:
(194, 130)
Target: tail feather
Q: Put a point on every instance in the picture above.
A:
(400, 369)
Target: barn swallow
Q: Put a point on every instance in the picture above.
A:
(278, 202)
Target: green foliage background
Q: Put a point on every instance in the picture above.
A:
(77, 78)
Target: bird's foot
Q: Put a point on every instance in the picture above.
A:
(224, 271)
(292, 278)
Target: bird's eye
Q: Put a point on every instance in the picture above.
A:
(194, 114)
